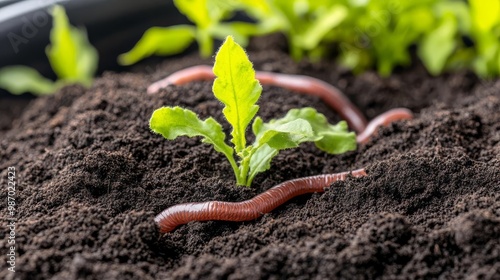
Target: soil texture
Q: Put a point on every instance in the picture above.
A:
(91, 176)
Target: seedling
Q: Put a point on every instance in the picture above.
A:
(70, 54)
(237, 88)
(364, 34)
(208, 17)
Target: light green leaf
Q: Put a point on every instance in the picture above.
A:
(256, 7)
(196, 11)
(241, 31)
(70, 54)
(20, 79)
(321, 26)
(333, 139)
(337, 139)
(261, 161)
(438, 45)
(283, 134)
(237, 88)
(172, 122)
(160, 41)
(485, 14)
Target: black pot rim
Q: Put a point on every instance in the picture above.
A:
(113, 27)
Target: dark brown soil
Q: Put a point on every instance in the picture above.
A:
(91, 176)
(10, 109)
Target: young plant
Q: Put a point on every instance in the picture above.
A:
(207, 15)
(70, 54)
(304, 22)
(237, 88)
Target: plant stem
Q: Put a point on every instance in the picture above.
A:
(205, 43)
(243, 172)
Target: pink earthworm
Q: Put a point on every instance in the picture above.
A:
(251, 209)
(383, 119)
(303, 84)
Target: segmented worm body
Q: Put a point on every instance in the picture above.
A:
(250, 209)
(383, 119)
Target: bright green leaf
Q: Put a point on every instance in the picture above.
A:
(70, 54)
(237, 88)
(195, 10)
(21, 79)
(438, 45)
(337, 139)
(485, 14)
(283, 133)
(258, 8)
(160, 41)
(321, 26)
(460, 10)
(333, 139)
(261, 161)
(172, 122)
(241, 31)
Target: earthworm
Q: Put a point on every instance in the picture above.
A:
(303, 84)
(383, 120)
(250, 209)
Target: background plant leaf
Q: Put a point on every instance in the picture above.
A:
(438, 45)
(70, 54)
(195, 10)
(160, 41)
(321, 26)
(20, 79)
(485, 14)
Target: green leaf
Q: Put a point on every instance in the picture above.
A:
(321, 26)
(283, 133)
(337, 139)
(438, 45)
(261, 161)
(485, 14)
(195, 10)
(241, 31)
(160, 41)
(237, 88)
(172, 122)
(256, 7)
(391, 49)
(333, 139)
(20, 79)
(70, 54)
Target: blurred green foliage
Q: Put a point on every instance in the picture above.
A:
(71, 56)
(362, 34)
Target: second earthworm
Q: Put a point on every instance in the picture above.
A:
(247, 210)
